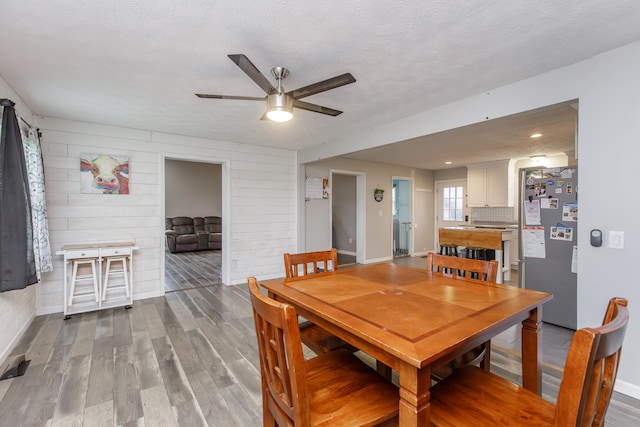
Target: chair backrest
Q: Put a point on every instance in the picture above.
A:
(281, 359)
(303, 264)
(591, 369)
(487, 271)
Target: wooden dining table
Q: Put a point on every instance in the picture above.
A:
(412, 320)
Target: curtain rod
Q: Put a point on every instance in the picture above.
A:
(6, 102)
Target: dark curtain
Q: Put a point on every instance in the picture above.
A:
(17, 261)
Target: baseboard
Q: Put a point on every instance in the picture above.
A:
(373, 261)
(343, 252)
(626, 388)
(261, 278)
(421, 254)
(49, 310)
(9, 348)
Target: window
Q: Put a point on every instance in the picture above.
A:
(452, 198)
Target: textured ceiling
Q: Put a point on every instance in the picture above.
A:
(138, 63)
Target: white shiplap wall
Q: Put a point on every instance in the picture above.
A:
(260, 197)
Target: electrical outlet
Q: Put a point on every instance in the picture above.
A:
(350, 240)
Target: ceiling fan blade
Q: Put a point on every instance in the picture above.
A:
(244, 98)
(322, 86)
(315, 108)
(252, 71)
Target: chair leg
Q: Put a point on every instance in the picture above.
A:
(73, 282)
(106, 279)
(94, 273)
(485, 363)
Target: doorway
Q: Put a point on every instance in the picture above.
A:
(402, 204)
(347, 215)
(194, 189)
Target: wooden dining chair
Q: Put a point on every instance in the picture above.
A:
(473, 270)
(297, 266)
(311, 264)
(476, 397)
(332, 389)
(485, 271)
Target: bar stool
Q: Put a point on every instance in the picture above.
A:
(75, 278)
(477, 253)
(109, 272)
(449, 250)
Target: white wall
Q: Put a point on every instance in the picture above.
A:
(17, 308)
(261, 224)
(378, 215)
(192, 189)
(608, 91)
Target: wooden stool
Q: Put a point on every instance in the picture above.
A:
(108, 272)
(93, 276)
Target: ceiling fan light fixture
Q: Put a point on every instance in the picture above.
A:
(279, 107)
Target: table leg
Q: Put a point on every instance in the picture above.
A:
(506, 251)
(498, 257)
(532, 351)
(414, 396)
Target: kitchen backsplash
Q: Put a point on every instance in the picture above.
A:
(493, 215)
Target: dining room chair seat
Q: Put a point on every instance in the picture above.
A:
(331, 389)
(475, 397)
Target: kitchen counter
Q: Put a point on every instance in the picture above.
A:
(497, 239)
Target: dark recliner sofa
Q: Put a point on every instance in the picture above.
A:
(185, 234)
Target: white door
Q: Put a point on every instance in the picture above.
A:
(451, 208)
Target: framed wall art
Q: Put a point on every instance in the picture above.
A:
(104, 174)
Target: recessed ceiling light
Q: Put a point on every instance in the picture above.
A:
(448, 163)
(536, 135)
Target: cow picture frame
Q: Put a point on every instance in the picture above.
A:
(104, 174)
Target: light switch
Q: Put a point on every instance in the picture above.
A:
(616, 239)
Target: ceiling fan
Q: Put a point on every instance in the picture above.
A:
(280, 104)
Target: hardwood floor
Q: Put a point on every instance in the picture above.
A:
(189, 270)
(186, 359)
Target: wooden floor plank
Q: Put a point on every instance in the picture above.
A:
(100, 415)
(214, 408)
(126, 392)
(100, 384)
(156, 408)
(145, 360)
(155, 327)
(73, 392)
(189, 414)
(175, 381)
(83, 344)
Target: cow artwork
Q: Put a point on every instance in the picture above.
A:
(104, 174)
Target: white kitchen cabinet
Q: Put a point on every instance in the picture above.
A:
(490, 184)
